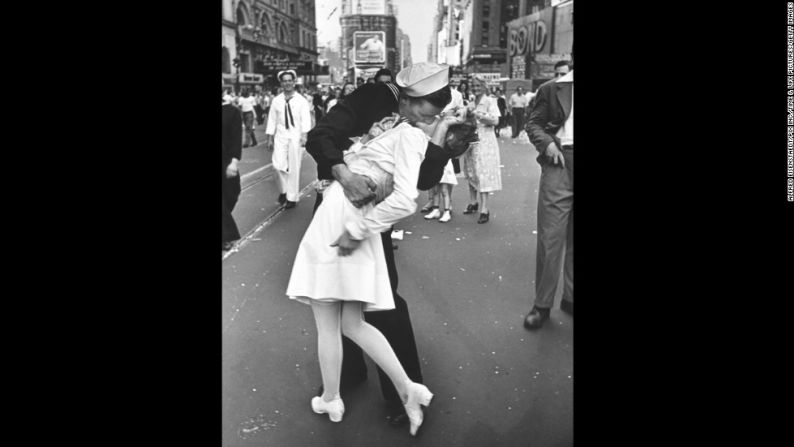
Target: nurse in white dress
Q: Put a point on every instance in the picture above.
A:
(340, 268)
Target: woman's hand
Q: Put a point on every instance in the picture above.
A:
(439, 135)
(460, 112)
(346, 244)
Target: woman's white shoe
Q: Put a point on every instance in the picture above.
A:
(418, 394)
(446, 217)
(435, 214)
(335, 408)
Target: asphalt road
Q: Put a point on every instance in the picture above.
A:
(468, 287)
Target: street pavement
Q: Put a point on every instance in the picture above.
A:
(468, 287)
(259, 186)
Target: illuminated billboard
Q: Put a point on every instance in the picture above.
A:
(369, 47)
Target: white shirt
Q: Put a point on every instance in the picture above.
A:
(398, 153)
(247, 104)
(518, 101)
(301, 117)
(529, 96)
(565, 134)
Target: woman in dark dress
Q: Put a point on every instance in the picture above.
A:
(502, 104)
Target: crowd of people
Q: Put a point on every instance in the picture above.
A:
(377, 144)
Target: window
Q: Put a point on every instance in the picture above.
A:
(282, 37)
(245, 63)
(264, 23)
(225, 61)
(292, 8)
(240, 16)
(486, 9)
(485, 30)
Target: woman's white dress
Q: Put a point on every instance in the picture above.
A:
(392, 160)
(482, 160)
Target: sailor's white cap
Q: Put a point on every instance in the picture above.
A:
(423, 78)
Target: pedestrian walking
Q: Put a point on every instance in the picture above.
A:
(260, 112)
(267, 98)
(482, 161)
(247, 103)
(288, 123)
(550, 130)
(231, 153)
(352, 117)
(501, 103)
(354, 269)
(518, 104)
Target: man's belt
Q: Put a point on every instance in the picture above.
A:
(567, 146)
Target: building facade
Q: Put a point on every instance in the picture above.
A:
(537, 41)
(272, 34)
(445, 43)
(365, 18)
(403, 49)
(484, 36)
(228, 44)
(330, 56)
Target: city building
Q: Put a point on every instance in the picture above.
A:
(369, 37)
(329, 55)
(403, 49)
(484, 37)
(228, 44)
(540, 39)
(445, 42)
(272, 35)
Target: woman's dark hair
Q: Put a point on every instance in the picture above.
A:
(462, 83)
(439, 98)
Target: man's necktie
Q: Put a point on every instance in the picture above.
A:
(288, 114)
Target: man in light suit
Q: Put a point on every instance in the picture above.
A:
(550, 130)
